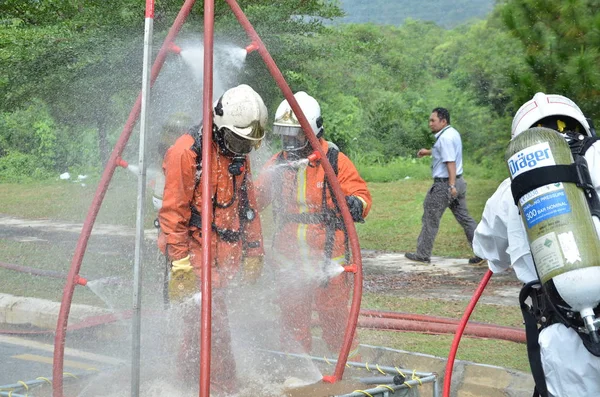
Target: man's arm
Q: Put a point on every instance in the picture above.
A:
(352, 183)
(451, 166)
(180, 168)
(423, 153)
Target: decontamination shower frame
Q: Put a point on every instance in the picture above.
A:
(113, 162)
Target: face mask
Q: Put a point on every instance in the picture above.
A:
(236, 144)
(293, 143)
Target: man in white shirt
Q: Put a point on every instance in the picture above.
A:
(449, 189)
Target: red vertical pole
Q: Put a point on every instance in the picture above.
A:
(207, 125)
(72, 277)
(352, 236)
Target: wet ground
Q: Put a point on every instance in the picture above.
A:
(392, 273)
(444, 278)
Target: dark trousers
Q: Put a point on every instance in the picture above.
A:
(437, 200)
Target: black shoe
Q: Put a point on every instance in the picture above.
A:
(417, 258)
(476, 261)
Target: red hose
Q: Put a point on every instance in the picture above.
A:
(461, 328)
(480, 331)
(337, 191)
(33, 271)
(424, 317)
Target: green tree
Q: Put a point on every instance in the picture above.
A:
(562, 44)
(83, 58)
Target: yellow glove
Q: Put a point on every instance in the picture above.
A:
(182, 283)
(252, 268)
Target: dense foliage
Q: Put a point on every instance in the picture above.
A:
(72, 70)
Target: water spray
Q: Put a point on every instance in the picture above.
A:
(312, 160)
(59, 340)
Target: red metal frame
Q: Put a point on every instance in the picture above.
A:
(115, 160)
(207, 214)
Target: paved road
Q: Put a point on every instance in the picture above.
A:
(31, 358)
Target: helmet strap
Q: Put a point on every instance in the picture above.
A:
(219, 107)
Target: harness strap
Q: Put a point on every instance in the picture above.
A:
(579, 146)
(331, 227)
(580, 143)
(542, 176)
(227, 235)
(305, 218)
(196, 133)
(328, 216)
(577, 173)
(532, 333)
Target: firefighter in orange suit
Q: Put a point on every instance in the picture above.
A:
(239, 118)
(310, 243)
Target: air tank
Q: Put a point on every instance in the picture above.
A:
(557, 218)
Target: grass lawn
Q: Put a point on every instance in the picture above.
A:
(393, 224)
(395, 219)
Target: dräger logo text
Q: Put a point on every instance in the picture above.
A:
(529, 158)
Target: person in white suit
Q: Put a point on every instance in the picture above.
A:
(569, 369)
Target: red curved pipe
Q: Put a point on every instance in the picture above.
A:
(352, 236)
(461, 328)
(36, 272)
(424, 317)
(207, 213)
(63, 316)
(480, 331)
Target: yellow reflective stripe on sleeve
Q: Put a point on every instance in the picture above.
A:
(339, 260)
(302, 208)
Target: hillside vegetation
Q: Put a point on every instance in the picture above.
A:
(71, 74)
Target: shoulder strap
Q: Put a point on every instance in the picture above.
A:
(196, 133)
(332, 224)
(581, 143)
(532, 332)
(332, 156)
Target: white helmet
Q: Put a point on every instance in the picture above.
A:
(240, 117)
(555, 108)
(287, 125)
